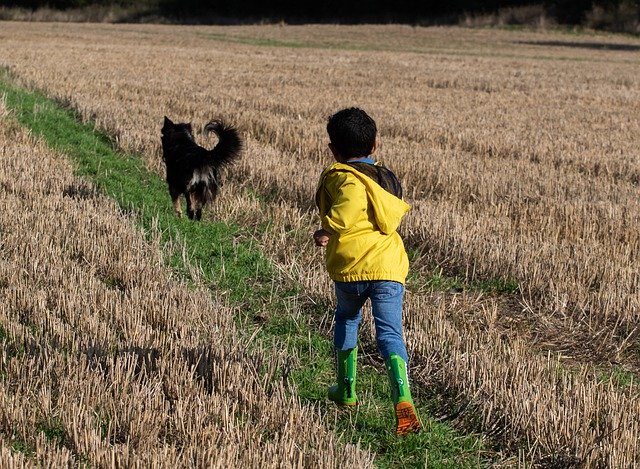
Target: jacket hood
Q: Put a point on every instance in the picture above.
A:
(388, 209)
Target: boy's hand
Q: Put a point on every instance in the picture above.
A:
(321, 237)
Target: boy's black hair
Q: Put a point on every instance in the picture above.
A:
(352, 132)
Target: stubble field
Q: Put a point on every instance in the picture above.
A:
(518, 152)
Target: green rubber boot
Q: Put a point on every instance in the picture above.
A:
(344, 393)
(406, 416)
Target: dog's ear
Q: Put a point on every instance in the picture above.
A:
(167, 126)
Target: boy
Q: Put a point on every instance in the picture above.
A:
(360, 204)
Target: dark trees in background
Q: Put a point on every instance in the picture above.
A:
(66, 4)
(572, 12)
(569, 11)
(341, 10)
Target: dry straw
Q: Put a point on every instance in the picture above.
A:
(518, 155)
(108, 360)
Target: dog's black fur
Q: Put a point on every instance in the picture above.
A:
(193, 171)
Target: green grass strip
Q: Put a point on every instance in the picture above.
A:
(242, 270)
(234, 266)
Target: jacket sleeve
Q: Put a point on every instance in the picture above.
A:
(349, 199)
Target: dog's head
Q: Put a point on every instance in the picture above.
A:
(172, 131)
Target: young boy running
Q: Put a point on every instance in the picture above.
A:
(361, 206)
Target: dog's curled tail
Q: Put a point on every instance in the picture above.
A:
(229, 146)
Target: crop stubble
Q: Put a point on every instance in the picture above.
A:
(112, 362)
(520, 161)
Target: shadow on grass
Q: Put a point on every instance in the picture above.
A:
(585, 45)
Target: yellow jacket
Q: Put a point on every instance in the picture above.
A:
(362, 218)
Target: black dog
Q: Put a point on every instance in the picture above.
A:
(193, 170)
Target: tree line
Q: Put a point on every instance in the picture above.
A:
(563, 11)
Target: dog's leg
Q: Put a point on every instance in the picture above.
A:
(191, 201)
(175, 198)
(176, 206)
(213, 193)
(197, 207)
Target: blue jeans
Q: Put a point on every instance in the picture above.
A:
(386, 305)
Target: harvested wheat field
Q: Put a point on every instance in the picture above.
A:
(518, 152)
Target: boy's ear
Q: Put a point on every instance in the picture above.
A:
(336, 155)
(374, 148)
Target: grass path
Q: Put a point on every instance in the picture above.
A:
(228, 259)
